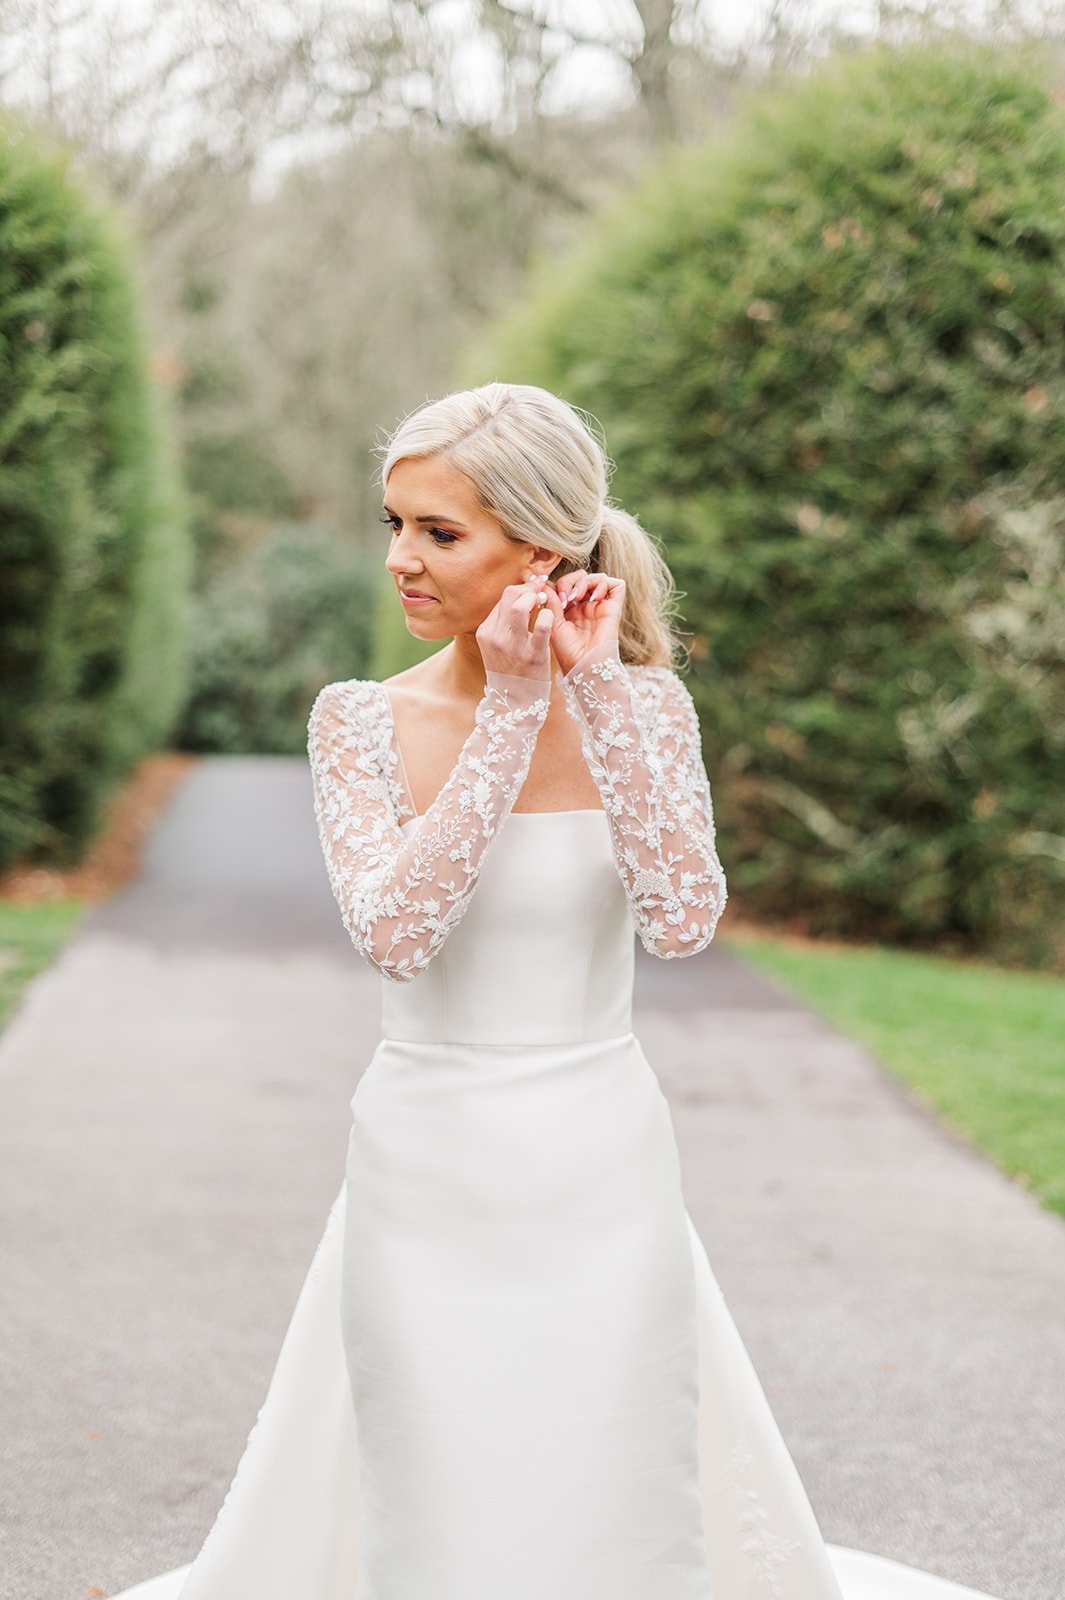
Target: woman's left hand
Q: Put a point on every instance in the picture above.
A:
(587, 610)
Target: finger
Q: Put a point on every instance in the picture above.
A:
(530, 606)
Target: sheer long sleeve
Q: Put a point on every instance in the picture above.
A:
(400, 894)
(640, 736)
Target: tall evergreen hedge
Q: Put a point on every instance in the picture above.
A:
(829, 356)
(94, 554)
(290, 612)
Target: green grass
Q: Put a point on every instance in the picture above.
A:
(31, 936)
(981, 1045)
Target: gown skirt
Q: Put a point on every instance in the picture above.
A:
(510, 1373)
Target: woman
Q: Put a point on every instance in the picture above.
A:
(510, 1374)
(518, 1298)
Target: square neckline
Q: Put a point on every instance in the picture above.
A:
(416, 816)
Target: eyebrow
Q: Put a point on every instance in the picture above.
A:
(438, 518)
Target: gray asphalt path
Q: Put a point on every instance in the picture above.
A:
(174, 1105)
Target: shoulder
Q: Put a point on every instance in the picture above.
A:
(348, 692)
(351, 708)
(652, 673)
(661, 688)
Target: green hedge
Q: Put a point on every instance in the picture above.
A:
(93, 548)
(829, 358)
(291, 612)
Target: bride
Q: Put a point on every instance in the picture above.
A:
(510, 1373)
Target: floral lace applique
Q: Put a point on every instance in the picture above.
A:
(641, 740)
(401, 895)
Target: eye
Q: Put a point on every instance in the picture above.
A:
(439, 534)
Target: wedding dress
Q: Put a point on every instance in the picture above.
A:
(510, 1373)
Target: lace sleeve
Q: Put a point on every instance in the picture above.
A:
(399, 894)
(645, 753)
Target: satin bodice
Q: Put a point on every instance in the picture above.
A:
(544, 953)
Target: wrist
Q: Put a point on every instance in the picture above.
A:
(518, 690)
(606, 656)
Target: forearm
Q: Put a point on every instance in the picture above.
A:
(401, 894)
(656, 796)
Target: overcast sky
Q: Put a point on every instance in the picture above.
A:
(586, 77)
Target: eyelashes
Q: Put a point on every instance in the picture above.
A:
(439, 534)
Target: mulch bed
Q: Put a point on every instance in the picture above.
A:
(113, 858)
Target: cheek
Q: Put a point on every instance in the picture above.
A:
(480, 577)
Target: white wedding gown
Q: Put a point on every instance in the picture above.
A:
(510, 1373)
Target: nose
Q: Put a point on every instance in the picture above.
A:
(397, 559)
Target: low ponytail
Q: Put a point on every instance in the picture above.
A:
(624, 549)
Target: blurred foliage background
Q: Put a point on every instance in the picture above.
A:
(94, 558)
(808, 277)
(829, 365)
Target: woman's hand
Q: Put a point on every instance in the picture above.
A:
(507, 642)
(586, 608)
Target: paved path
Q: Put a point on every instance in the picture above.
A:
(174, 1114)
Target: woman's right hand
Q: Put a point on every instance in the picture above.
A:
(506, 641)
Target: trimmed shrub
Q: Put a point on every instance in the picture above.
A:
(829, 357)
(94, 556)
(290, 613)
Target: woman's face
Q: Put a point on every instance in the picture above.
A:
(445, 545)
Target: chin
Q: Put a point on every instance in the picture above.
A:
(422, 628)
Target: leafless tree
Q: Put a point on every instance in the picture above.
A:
(361, 182)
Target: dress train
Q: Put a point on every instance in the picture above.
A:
(476, 1083)
(289, 1524)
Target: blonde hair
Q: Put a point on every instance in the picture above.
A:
(541, 469)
